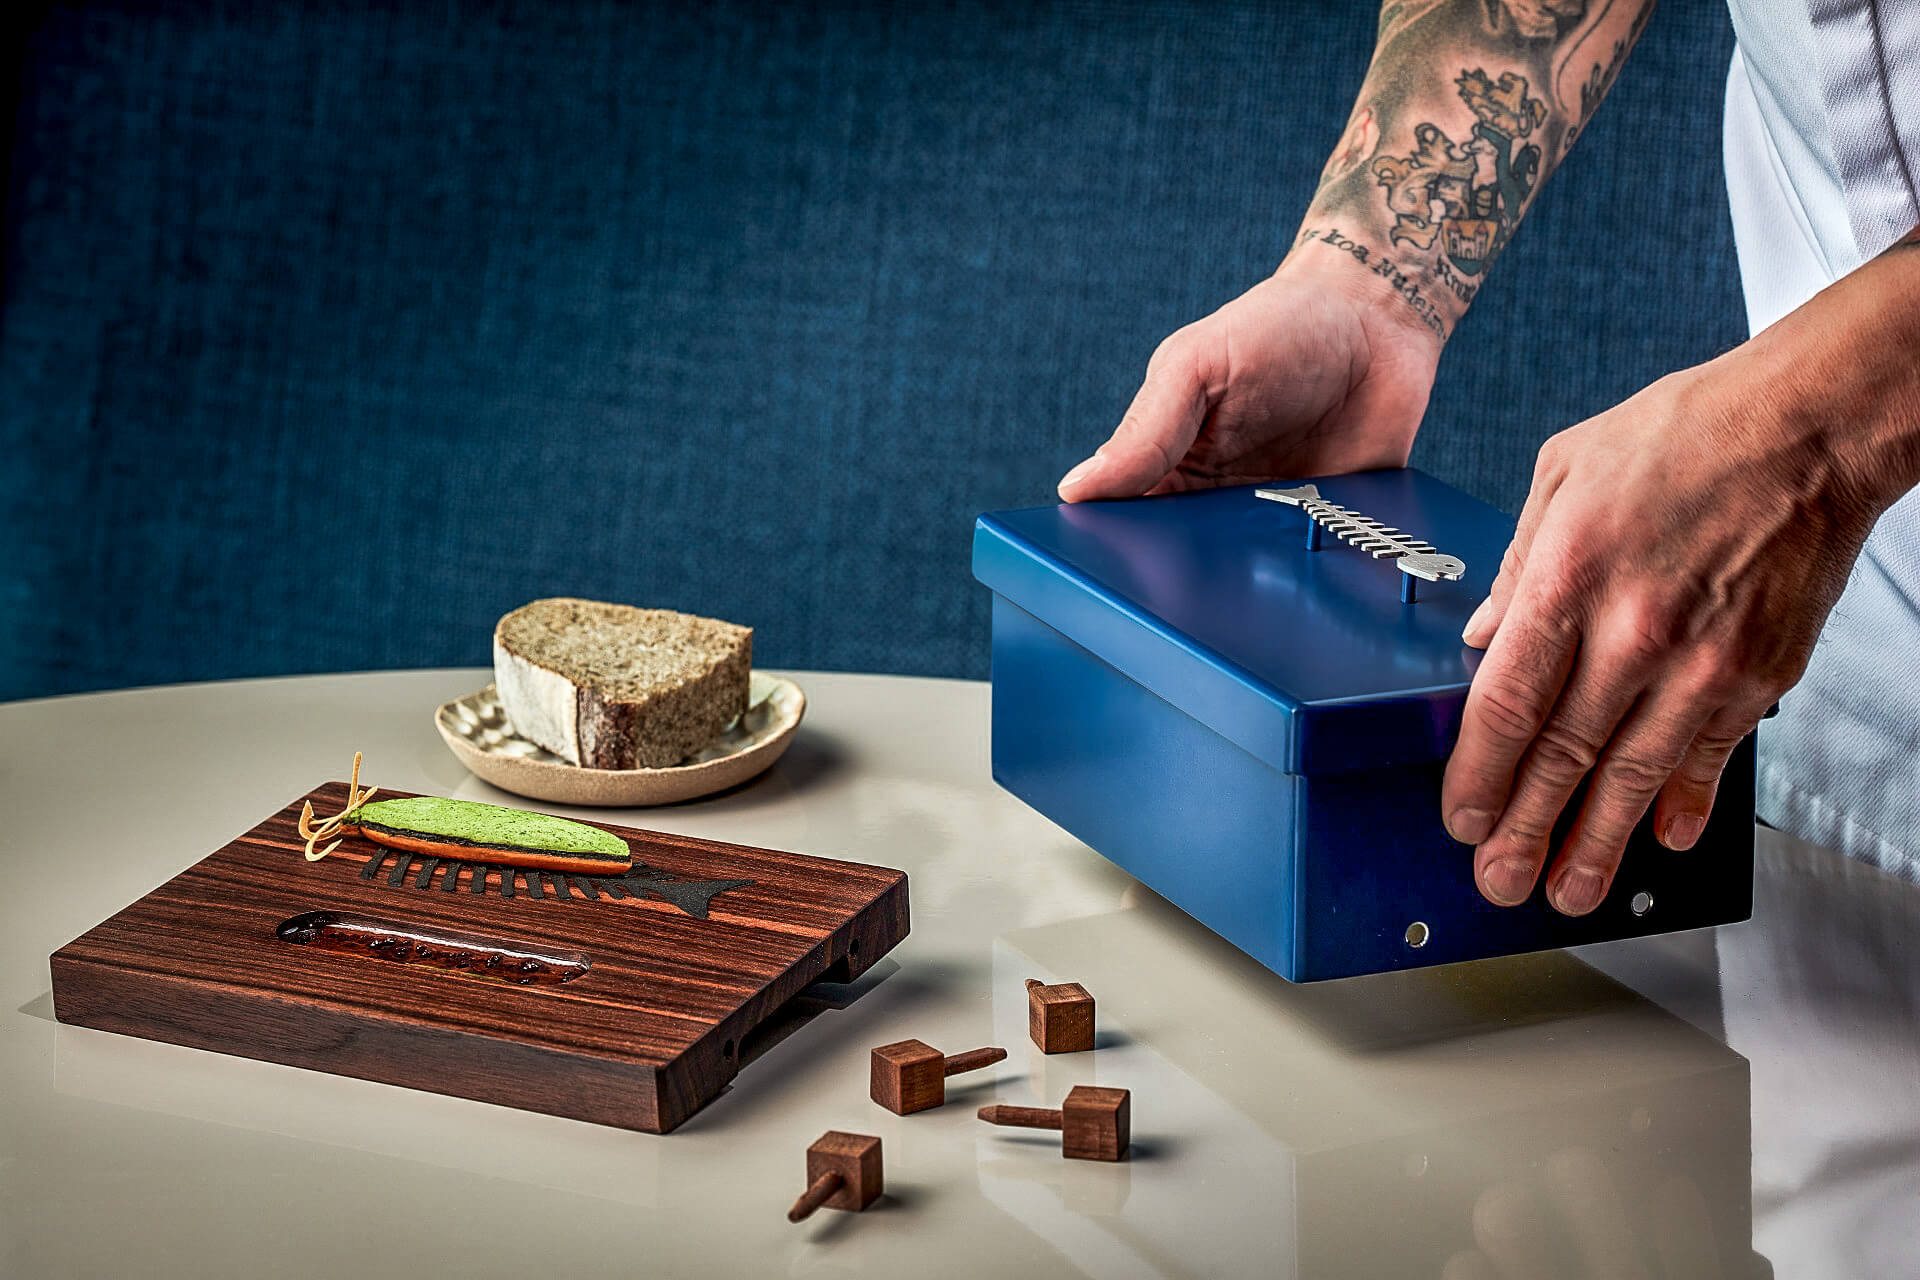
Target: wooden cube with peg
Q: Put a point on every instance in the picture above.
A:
(910, 1075)
(1095, 1123)
(1059, 1017)
(843, 1172)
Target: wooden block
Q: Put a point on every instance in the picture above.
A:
(627, 1001)
(911, 1075)
(843, 1172)
(1059, 1017)
(1097, 1124)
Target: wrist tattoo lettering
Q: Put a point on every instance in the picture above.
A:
(1378, 261)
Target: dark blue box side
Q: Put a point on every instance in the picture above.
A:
(1202, 822)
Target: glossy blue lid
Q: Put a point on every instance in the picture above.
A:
(1212, 600)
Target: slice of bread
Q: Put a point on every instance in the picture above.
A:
(609, 686)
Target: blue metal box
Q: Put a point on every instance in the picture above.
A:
(1257, 730)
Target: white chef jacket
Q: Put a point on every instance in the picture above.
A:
(1822, 149)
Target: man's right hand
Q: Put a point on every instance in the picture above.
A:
(1317, 370)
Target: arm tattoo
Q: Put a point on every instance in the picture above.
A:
(1467, 107)
(1600, 79)
(1467, 195)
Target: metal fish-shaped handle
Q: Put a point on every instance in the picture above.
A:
(1418, 560)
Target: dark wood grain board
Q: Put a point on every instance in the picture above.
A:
(652, 1031)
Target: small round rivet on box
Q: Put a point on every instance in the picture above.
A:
(1417, 934)
(1642, 903)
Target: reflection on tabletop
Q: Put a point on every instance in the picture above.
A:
(1822, 991)
(1515, 1117)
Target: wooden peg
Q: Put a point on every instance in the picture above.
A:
(1059, 1018)
(1096, 1123)
(910, 1076)
(843, 1172)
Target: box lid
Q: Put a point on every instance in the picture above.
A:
(1308, 659)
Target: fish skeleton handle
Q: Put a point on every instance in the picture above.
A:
(1417, 558)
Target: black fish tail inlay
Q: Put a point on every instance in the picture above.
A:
(691, 896)
(611, 888)
(399, 873)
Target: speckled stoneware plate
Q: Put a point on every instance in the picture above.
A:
(477, 730)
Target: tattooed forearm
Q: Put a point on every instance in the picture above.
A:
(1467, 107)
(1395, 14)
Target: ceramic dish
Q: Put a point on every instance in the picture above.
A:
(476, 730)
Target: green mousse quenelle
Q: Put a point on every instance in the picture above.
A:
(489, 825)
(438, 828)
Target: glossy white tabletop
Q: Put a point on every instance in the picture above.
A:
(1726, 1103)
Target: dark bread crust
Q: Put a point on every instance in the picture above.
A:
(668, 727)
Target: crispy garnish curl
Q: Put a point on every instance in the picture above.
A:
(316, 833)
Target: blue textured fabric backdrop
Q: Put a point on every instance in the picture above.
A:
(332, 332)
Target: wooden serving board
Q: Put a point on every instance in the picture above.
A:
(628, 1003)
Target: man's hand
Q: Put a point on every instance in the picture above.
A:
(1314, 370)
(1326, 366)
(1673, 566)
